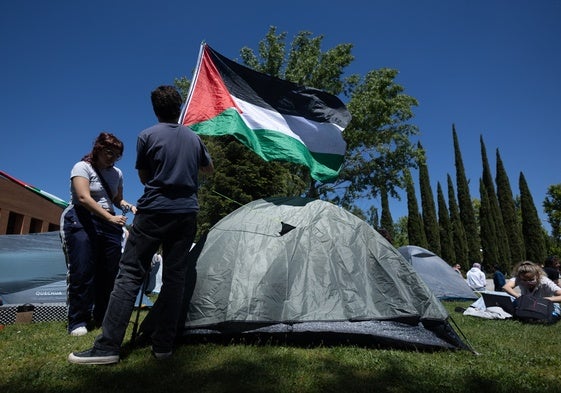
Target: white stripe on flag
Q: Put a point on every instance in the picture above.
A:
(317, 137)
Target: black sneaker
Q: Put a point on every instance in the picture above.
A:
(94, 356)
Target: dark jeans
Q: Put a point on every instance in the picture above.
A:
(92, 247)
(176, 233)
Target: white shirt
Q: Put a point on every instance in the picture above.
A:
(545, 287)
(476, 278)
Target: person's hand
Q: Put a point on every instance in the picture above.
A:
(119, 220)
(128, 208)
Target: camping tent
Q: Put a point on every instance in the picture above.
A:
(298, 268)
(33, 272)
(33, 269)
(441, 278)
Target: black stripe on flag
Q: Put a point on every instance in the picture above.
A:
(280, 95)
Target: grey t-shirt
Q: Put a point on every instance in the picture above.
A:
(113, 177)
(171, 155)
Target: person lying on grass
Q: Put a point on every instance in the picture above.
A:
(531, 279)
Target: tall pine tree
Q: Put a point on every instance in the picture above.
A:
(488, 230)
(430, 222)
(415, 231)
(503, 253)
(445, 228)
(509, 214)
(467, 213)
(532, 230)
(458, 231)
(386, 221)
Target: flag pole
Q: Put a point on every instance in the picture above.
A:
(193, 82)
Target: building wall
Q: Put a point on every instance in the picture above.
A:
(23, 211)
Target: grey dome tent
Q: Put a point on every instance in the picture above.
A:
(32, 273)
(303, 269)
(32, 269)
(33, 276)
(441, 278)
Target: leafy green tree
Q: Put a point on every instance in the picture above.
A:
(415, 231)
(532, 230)
(465, 203)
(378, 139)
(378, 145)
(430, 222)
(509, 214)
(552, 207)
(240, 177)
(503, 258)
(445, 228)
(458, 231)
(305, 64)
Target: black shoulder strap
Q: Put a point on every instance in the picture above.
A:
(104, 183)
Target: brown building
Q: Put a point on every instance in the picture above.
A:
(25, 209)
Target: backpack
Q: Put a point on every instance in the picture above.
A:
(533, 309)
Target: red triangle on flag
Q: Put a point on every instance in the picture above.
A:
(209, 97)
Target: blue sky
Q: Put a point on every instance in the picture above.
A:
(71, 69)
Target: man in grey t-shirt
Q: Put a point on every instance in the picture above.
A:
(169, 158)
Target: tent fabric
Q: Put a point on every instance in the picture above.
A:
(440, 277)
(295, 265)
(33, 272)
(32, 269)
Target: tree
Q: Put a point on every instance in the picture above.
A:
(378, 145)
(430, 222)
(240, 177)
(465, 203)
(532, 230)
(378, 139)
(487, 229)
(401, 238)
(415, 231)
(503, 258)
(458, 231)
(386, 221)
(445, 228)
(552, 207)
(509, 213)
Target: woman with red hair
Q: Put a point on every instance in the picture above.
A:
(92, 233)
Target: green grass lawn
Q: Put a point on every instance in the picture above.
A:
(513, 357)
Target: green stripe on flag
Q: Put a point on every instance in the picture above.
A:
(272, 145)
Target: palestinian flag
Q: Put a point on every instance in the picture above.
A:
(277, 119)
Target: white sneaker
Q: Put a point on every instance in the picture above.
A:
(161, 355)
(79, 331)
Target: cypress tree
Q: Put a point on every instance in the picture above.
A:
(445, 228)
(532, 230)
(488, 230)
(509, 214)
(386, 221)
(458, 231)
(467, 213)
(430, 222)
(415, 231)
(503, 258)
